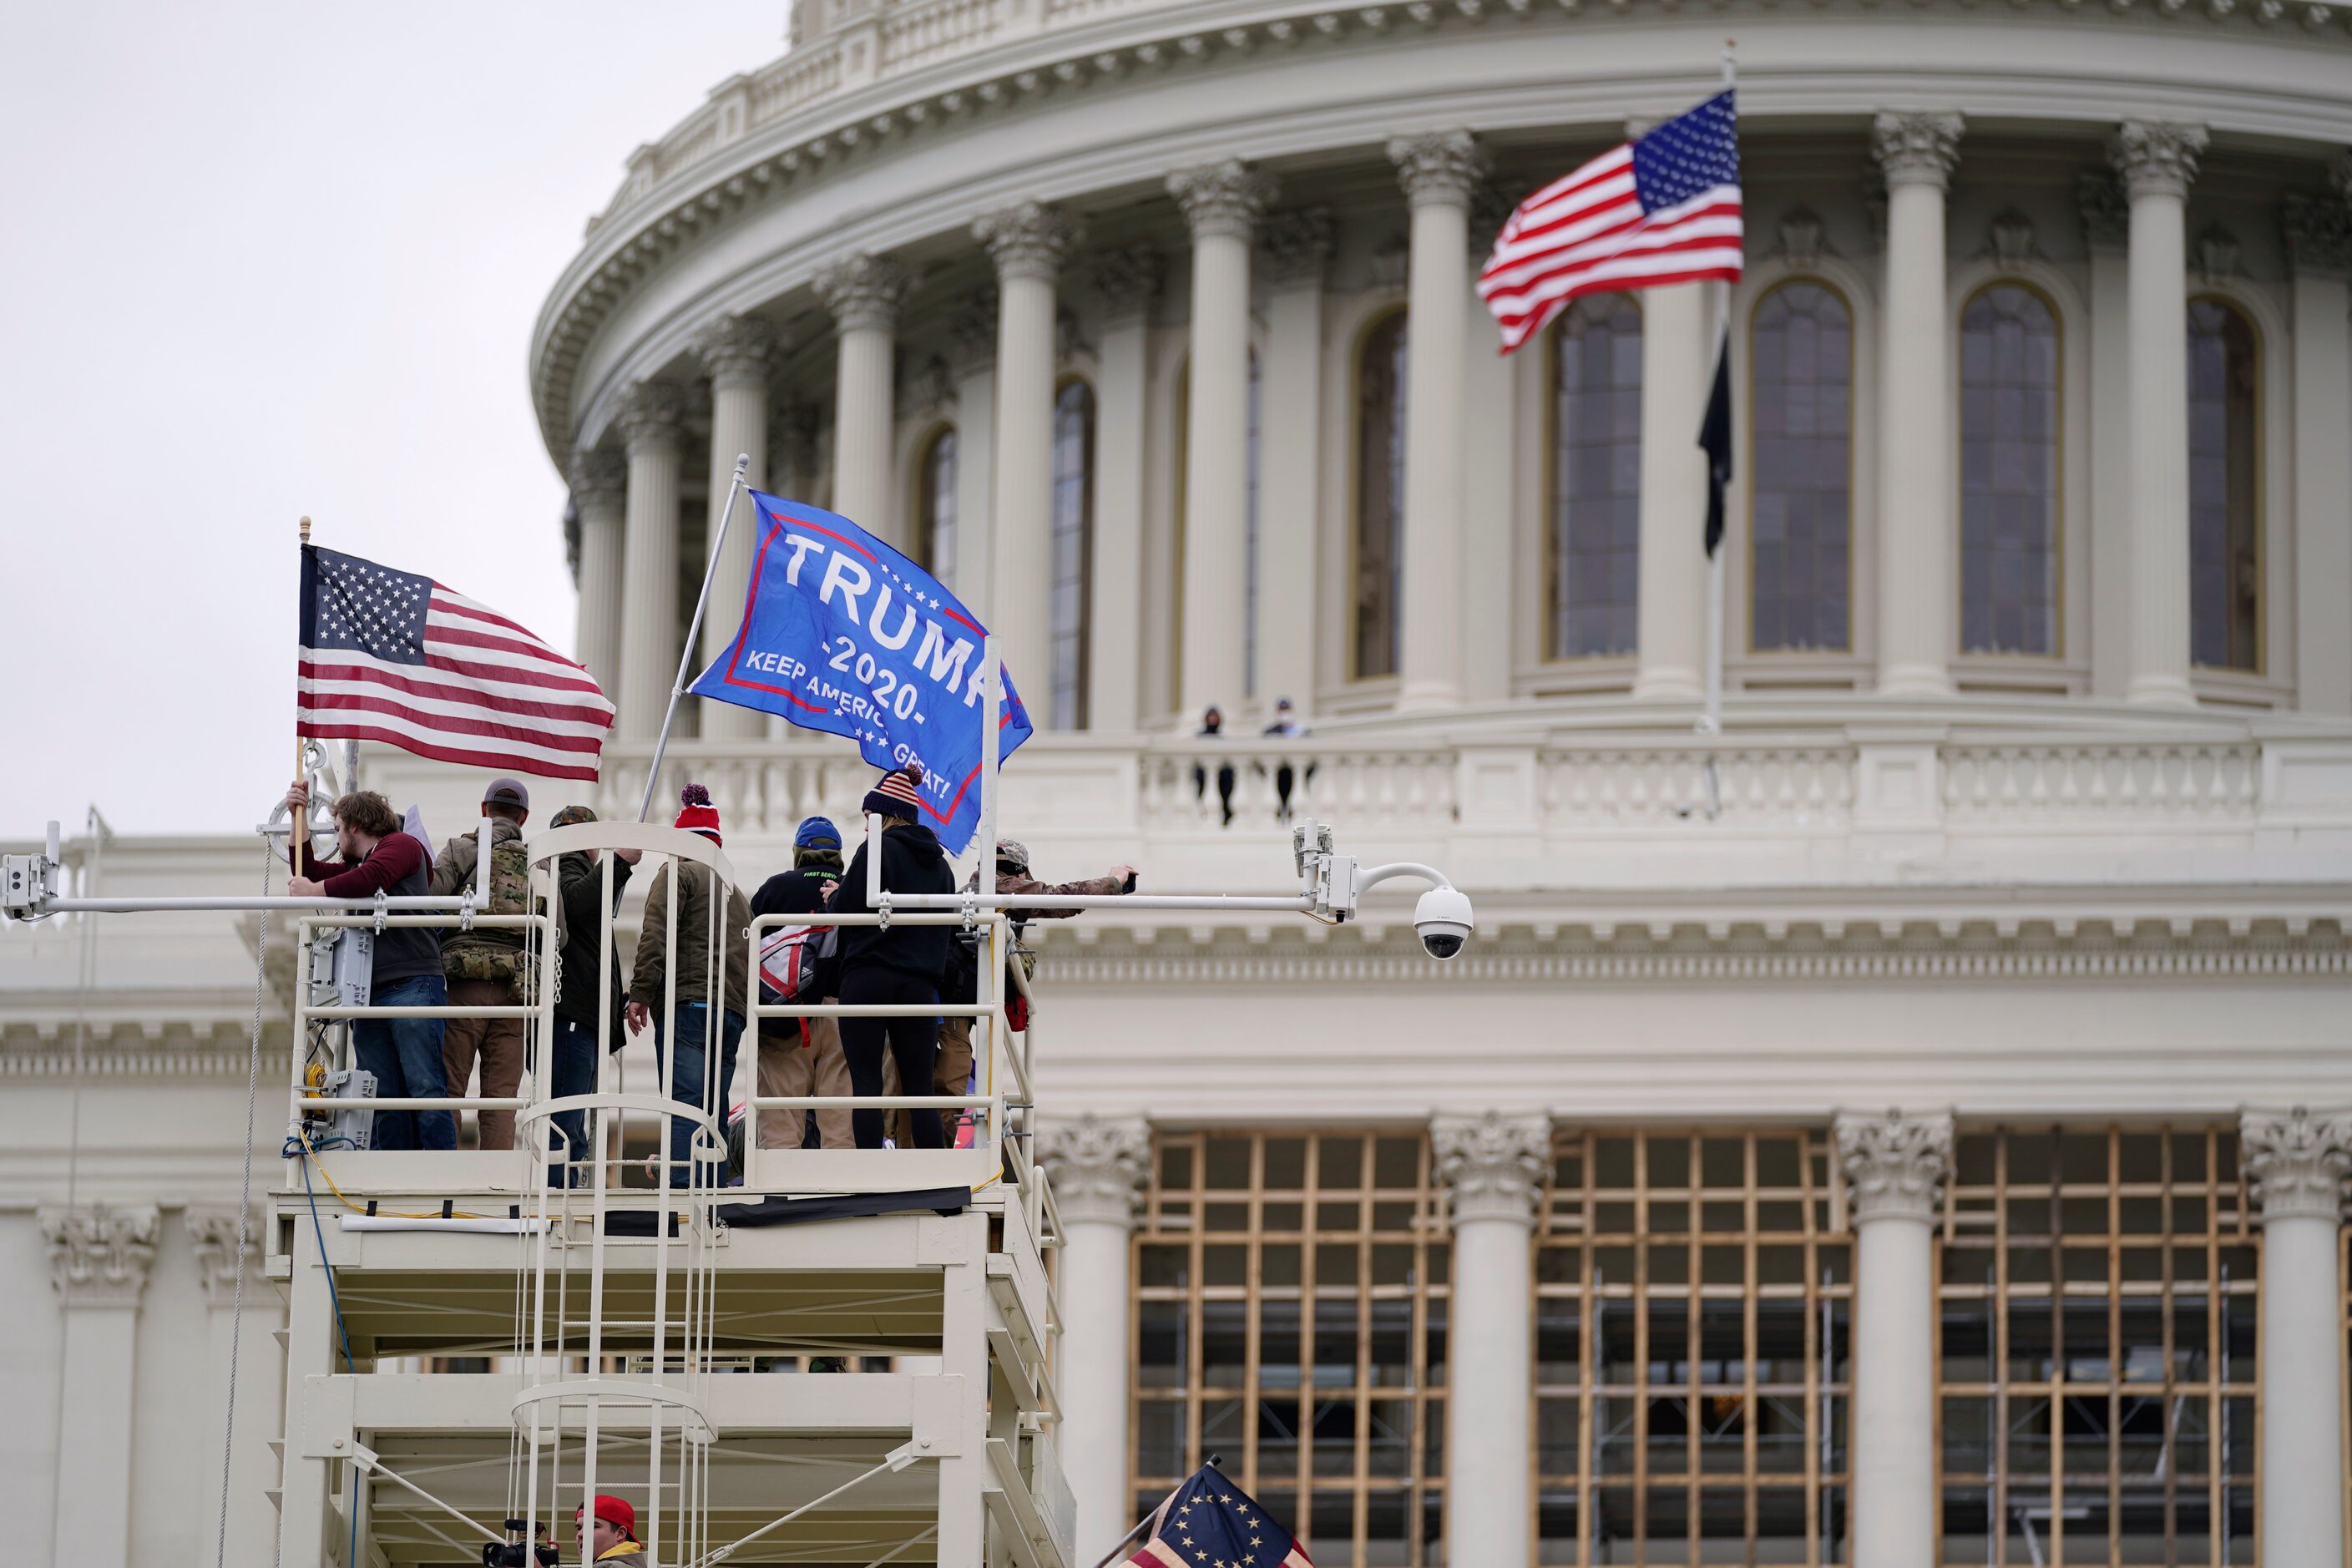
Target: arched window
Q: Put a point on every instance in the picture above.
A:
(2008, 472)
(1801, 531)
(1074, 527)
(1596, 500)
(1381, 388)
(2224, 508)
(935, 507)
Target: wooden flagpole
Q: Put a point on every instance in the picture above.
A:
(299, 828)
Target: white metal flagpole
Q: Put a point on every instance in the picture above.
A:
(1710, 721)
(693, 634)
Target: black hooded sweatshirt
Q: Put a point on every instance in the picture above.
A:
(912, 862)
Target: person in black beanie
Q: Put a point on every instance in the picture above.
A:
(900, 965)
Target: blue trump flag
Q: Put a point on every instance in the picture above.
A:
(841, 633)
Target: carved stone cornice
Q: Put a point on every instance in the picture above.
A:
(652, 414)
(863, 291)
(600, 479)
(1894, 1164)
(1028, 239)
(100, 1253)
(972, 332)
(1225, 198)
(2318, 233)
(1918, 149)
(2008, 238)
(736, 350)
(2106, 210)
(1294, 248)
(1128, 280)
(1493, 1165)
(2156, 157)
(1097, 1166)
(1438, 166)
(212, 1233)
(2296, 1163)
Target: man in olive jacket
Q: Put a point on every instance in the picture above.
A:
(486, 967)
(683, 1040)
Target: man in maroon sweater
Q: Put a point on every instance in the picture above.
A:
(404, 1053)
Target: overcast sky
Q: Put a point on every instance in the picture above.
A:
(258, 260)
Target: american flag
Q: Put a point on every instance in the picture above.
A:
(1209, 1522)
(1661, 208)
(398, 658)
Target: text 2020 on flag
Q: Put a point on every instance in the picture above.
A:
(1661, 208)
(398, 658)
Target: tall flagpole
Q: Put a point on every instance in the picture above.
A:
(685, 656)
(298, 830)
(1710, 719)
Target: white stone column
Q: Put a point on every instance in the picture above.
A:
(1096, 1167)
(736, 352)
(248, 1328)
(1670, 619)
(1918, 555)
(2297, 1164)
(1439, 170)
(1127, 282)
(1222, 203)
(1894, 1167)
(971, 329)
(600, 489)
(2158, 161)
(1028, 243)
(1490, 486)
(652, 421)
(1294, 253)
(863, 293)
(98, 1257)
(1493, 1166)
(2106, 234)
(2319, 250)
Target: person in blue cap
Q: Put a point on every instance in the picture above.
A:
(802, 1056)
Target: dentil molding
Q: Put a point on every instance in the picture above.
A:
(1097, 1166)
(100, 1253)
(1894, 1164)
(1493, 1164)
(2297, 1163)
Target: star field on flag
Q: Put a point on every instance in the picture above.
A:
(1209, 1522)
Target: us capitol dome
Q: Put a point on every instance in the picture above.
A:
(1907, 1126)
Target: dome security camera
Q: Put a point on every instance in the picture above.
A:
(1444, 919)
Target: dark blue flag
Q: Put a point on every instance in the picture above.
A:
(843, 634)
(1209, 1522)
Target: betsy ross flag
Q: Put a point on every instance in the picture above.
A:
(1661, 208)
(398, 658)
(1209, 1522)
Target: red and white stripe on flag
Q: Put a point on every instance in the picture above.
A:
(1587, 233)
(488, 694)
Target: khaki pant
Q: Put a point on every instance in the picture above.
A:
(953, 1072)
(498, 1042)
(795, 1067)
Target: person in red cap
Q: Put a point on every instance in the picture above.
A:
(613, 1538)
(902, 964)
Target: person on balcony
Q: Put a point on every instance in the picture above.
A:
(961, 985)
(1286, 723)
(708, 1019)
(611, 1535)
(487, 966)
(580, 897)
(404, 1053)
(1212, 724)
(792, 1065)
(902, 966)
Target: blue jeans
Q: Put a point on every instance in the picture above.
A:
(574, 1071)
(404, 1053)
(683, 1050)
